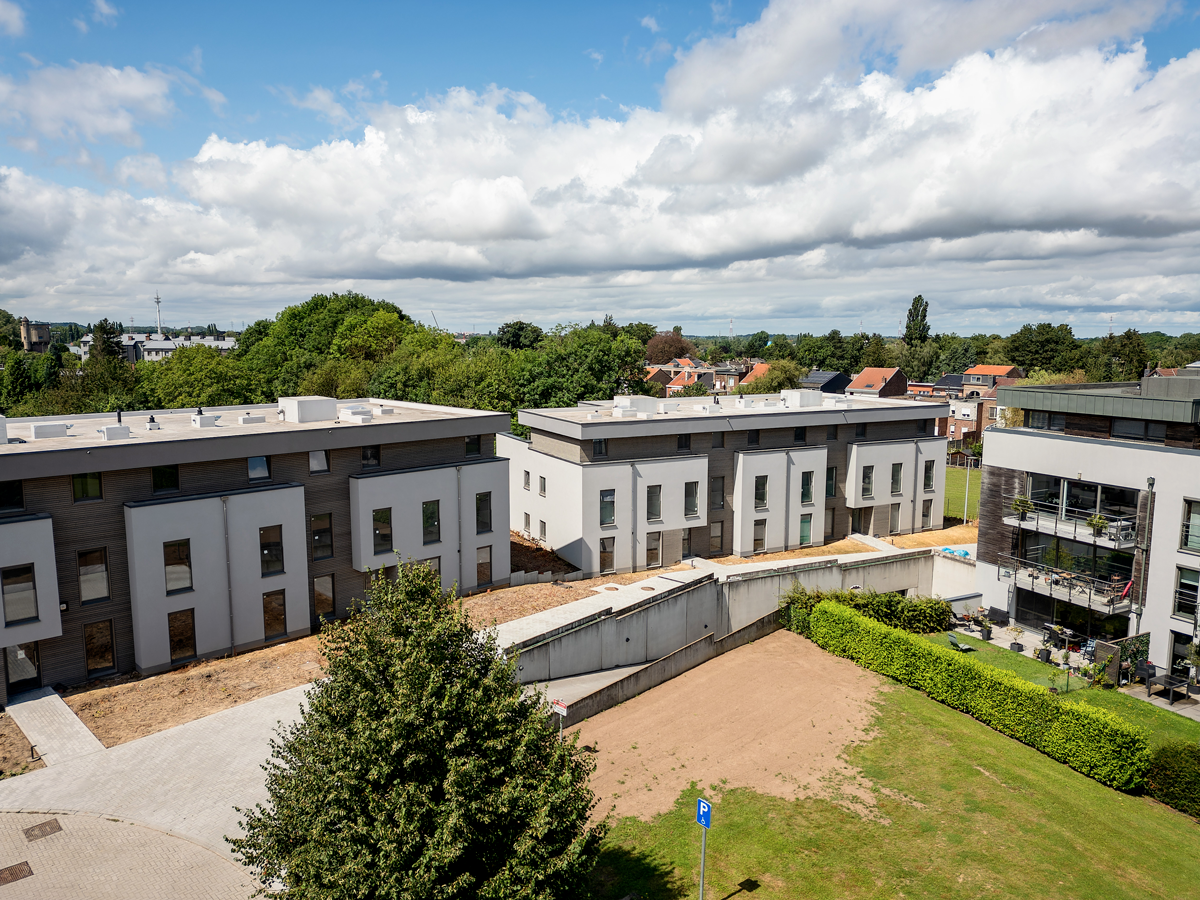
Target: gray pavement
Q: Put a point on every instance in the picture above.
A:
(103, 858)
(576, 687)
(52, 727)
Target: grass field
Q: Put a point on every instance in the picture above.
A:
(968, 813)
(956, 488)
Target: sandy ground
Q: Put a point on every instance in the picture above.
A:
(837, 548)
(506, 604)
(530, 557)
(959, 534)
(14, 749)
(711, 727)
(127, 707)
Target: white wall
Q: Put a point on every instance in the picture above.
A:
(21, 543)
(784, 470)
(202, 522)
(912, 455)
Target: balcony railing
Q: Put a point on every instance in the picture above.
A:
(1185, 601)
(1189, 538)
(1112, 595)
(1050, 518)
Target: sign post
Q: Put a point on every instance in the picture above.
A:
(561, 708)
(704, 819)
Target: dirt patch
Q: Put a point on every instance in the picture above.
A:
(959, 534)
(773, 716)
(127, 707)
(504, 605)
(837, 548)
(530, 557)
(14, 749)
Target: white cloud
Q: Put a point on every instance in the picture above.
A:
(595, 55)
(195, 60)
(12, 18)
(104, 12)
(651, 23)
(80, 25)
(660, 50)
(1027, 179)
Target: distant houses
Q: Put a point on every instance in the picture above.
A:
(155, 347)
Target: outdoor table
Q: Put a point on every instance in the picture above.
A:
(1171, 683)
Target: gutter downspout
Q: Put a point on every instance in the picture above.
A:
(228, 573)
(459, 517)
(916, 525)
(787, 496)
(633, 523)
(1145, 549)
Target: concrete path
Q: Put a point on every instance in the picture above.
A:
(576, 687)
(183, 781)
(52, 727)
(104, 859)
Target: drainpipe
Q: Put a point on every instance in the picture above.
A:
(1145, 551)
(459, 517)
(787, 496)
(633, 523)
(228, 572)
(915, 524)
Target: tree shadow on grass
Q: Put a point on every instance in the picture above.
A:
(621, 871)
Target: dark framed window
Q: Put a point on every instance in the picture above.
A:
(760, 491)
(318, 462)
(926, 513)
(12, 496)
(323, 605)
(86, 486)
(922, 426)
(831, 482)
(93, 575)
(542, 485)
(527, 523)
(718, 440)
(1139, 430)
(322, 536)
(860, 430)
(600, 447)
(653, 549)
(274, 615)
(716, 492)
(371, 456)
(868, 481)
(474, 445)
(431, 521)
(381, 530)
(929, 474)
(483, 512)
(831, 432)
(653, 502)
(897, 477)
(177, 566)
(541, 530)
(164, 479)
(806, 487)
(1187, 587)
(270, 545)
(691, 498)
(687, 542)
(752, 437)
(1049, 421)
(19, 591)
(608, 507)
(800, 435)
(258, 468)
(98, 647)
(181, 630)
(483, 565)
(683, 443)
(608, 556)
(716, 532)
(806, 529)
(894, 519)
(760, 535)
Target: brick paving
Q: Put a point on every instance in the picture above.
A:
(52, 726)
(102, 858)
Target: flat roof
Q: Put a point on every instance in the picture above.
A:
(1154, 399)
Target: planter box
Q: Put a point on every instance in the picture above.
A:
(1193, 689)
(1016, 647)
(985, 633)
(1043, 656)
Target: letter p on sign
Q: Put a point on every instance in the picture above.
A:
(704, 813)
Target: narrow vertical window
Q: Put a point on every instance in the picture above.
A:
(542, 485)
(381, 530)
(274, 616)
(20, 594)
(691, 498)
(541, 529)
(806, 529)
(483, 565)
(93, 575)
(687, 542)
(806, 487)
(868, 481)
(322, 536)
(527, 523)
(431, 521)
(608, 507)
(926, 513)
(831, 481)
(607, 555)
(831, 432)
(600, 447)
(716, 492)
(270, 545)
(894, 519)
(929, 474)
(653, 549)
(897, 478)
(716, 538)
(98, 647)
(483, 512)
(800, 435)
(177, 563)
(752, 437)
(653, 502)
(760, 535)
(526, 485)
(323, 605)
(760, 491)
(718, 440)
(181, 631)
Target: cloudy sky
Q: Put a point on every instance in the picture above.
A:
(796, 166)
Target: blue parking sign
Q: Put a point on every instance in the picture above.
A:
(704, 813)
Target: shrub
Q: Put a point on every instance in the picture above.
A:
(1092, 741)
(1174, 776)
(923, 615)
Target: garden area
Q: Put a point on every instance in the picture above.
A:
(956, 493)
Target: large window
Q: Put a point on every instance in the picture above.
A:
(164, 479)
(93, 575)
(831, 481)
(177, 564)
(86, 486)
(270, 547)
(318, 462)
(323, 605)
(806, 529)
(1139, 430)
(691, 498)
(381, 525)
(258, 468)
(322, 536)
(760, 535)
(1045, 420)
(600, 447)
(12, 497)
(1190, 537)
(474, 445)
(371, 456)
(716, 538)
(607, 554)
(483, 512)
(1187, 583)
(929, 464)
(868, 481)
(653, 549)
(181, 631)
(98, 647)
(683, 443)
(718, 440)
(716, 492)
(897, 478)
(806, 486)
(483, 565)
(274, 615)
(894, 519)
(653, 502)
(431, 522)
(760, 491)
(608, 507)
(19, 593)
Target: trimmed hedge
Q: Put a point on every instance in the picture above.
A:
(1174, 776)
(922, 615)
(1093, 741)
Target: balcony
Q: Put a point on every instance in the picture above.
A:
(1111, 595)
(1050, 518)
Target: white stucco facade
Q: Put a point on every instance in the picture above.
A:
(785, 505)
(29, 541)
(911, 456)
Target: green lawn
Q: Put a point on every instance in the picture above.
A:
(956, 487)
(969, 813)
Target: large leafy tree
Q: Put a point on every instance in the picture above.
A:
(916, 326)
(194, 376)
(519, 335)
(1043, 346)
(668, 345)
(420, 769)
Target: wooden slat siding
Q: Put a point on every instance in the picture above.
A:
(995, 537)
(445, 451)
(1088, 426)
(1182, 434)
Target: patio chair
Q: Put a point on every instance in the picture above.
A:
(961, 648)
(1089, 650)
(998, 616)
(1146, 670)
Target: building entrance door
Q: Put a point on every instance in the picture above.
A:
(24, 674)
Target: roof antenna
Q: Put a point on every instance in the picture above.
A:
(435, 321)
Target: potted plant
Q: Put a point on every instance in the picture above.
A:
(1043, 653)
(1193, 659)
(1098, 524)
(985, 628)
(1022, 506)
(1017, 631)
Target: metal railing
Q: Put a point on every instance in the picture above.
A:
(1188, 539)
(1111, 593)
(1185, 602)
(1050, 518)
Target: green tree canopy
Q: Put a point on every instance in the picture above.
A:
(916, 325)
(1043, 346)
(106, 340)
(420, 768)
(668, 345)
(518, 335)
(783, 375)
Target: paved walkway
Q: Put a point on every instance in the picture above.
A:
(183, 781)
(52, 727)
(100, 858)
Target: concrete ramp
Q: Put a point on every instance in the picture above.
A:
(52, 727)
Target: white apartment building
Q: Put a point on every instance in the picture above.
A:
(640, 482)
(1129, 453)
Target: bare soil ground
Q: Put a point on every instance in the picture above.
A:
(126, 707)
(844, 546)
(753, 718)
(959, 534)
(14, 749)
(530, 557)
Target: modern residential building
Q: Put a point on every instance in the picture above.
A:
(145, 540)
(1090, 512)
(878, 383)
(826, 382)
(138, 345)
(637, 482)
